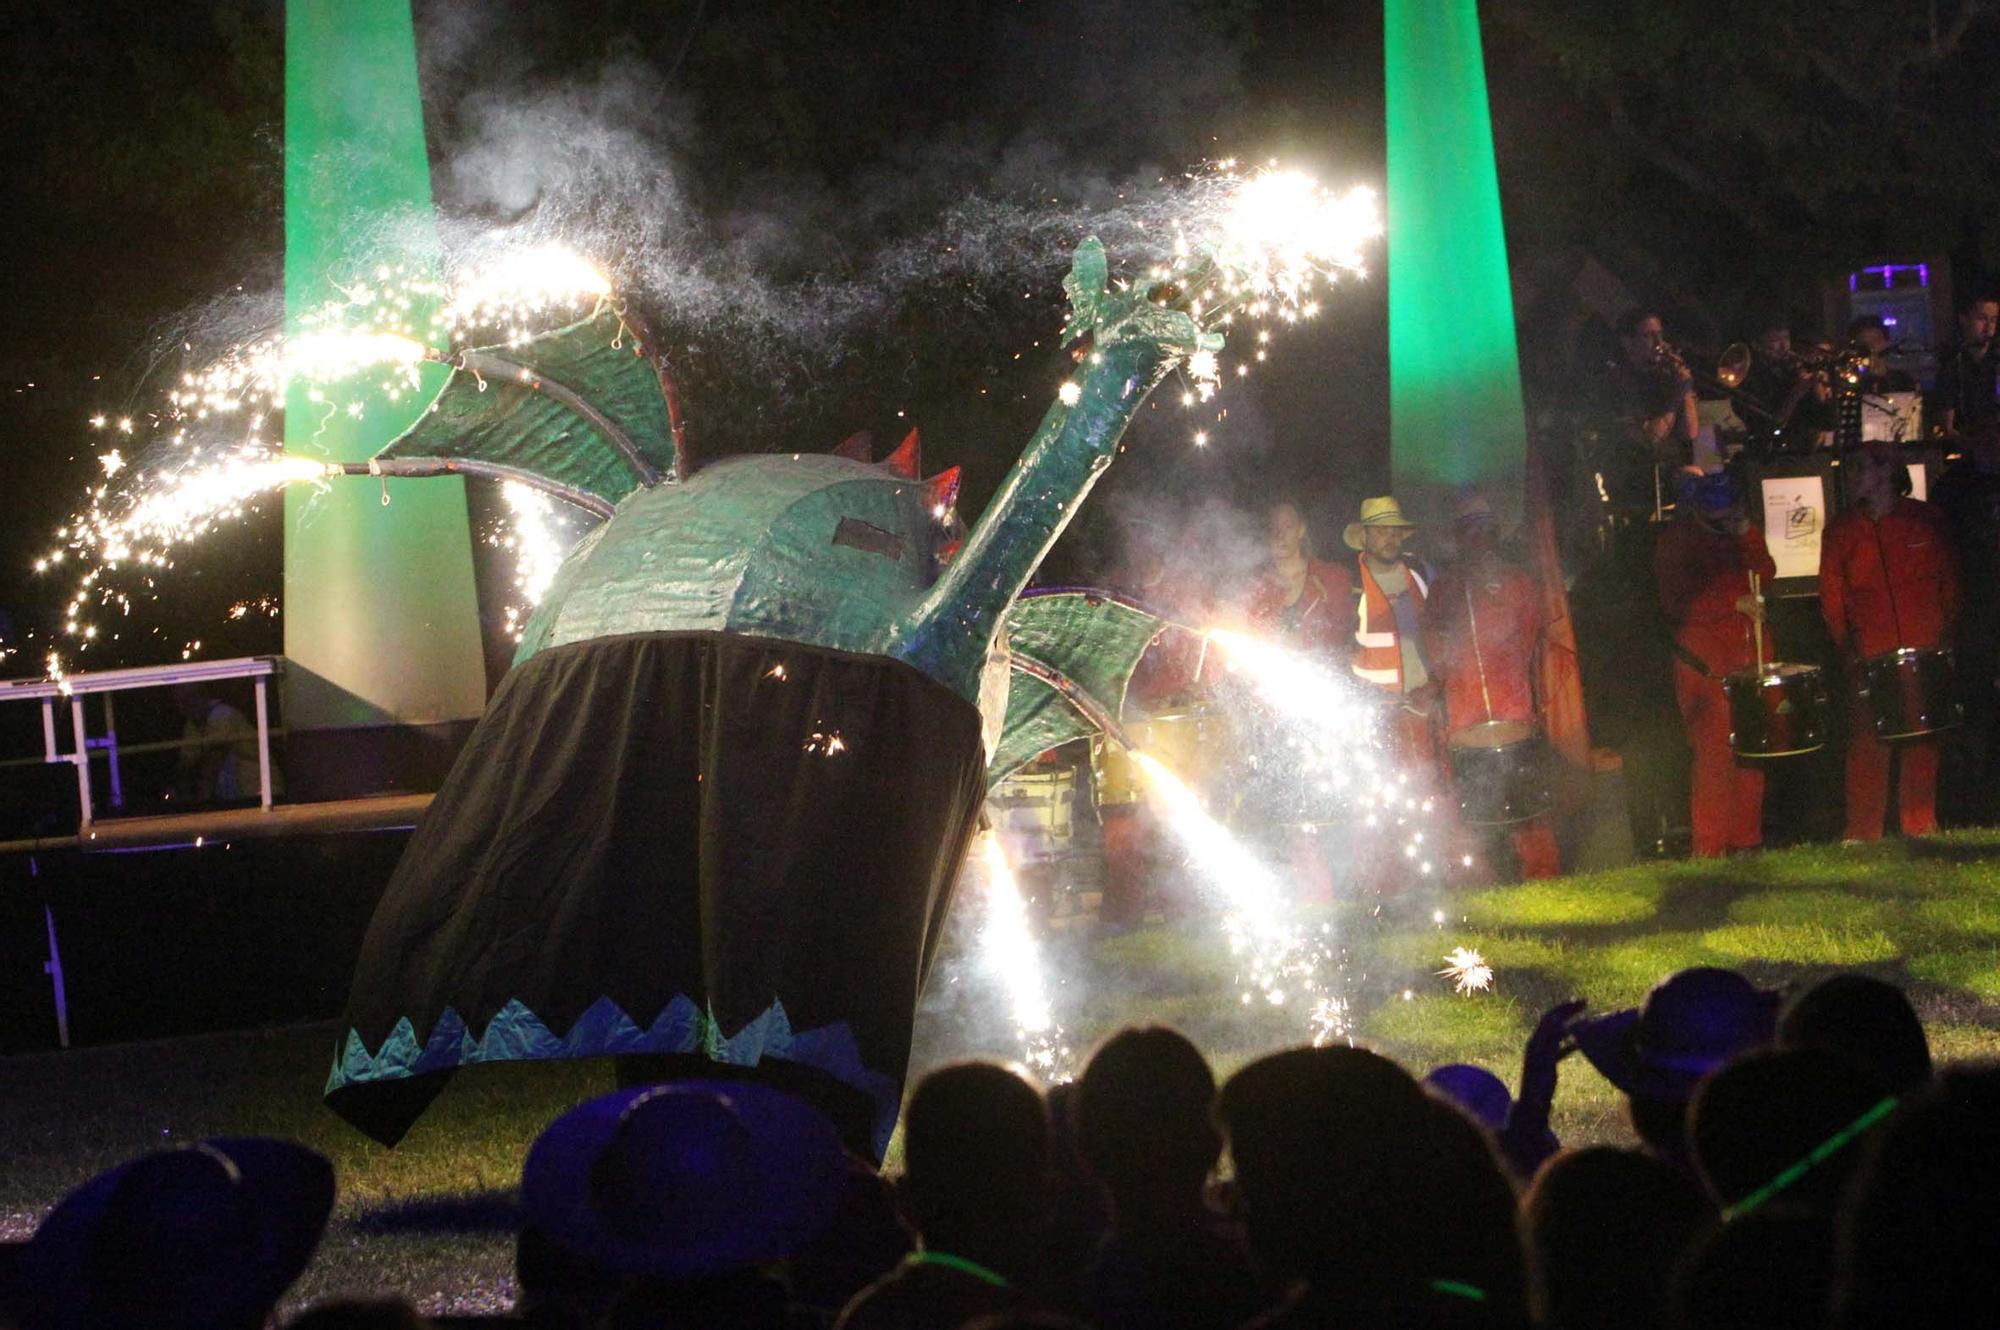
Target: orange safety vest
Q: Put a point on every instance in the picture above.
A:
(1378, 658)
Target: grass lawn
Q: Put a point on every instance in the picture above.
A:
(434, 1218)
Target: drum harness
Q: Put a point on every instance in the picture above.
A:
(1478, 657)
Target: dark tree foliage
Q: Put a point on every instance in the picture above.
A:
(1728, 157)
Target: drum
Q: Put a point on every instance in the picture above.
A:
(1501, 771)
(1780, 711)
(1187, 742)
(1909, 692)
(1034, 804)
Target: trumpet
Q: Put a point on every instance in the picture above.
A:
(1845, 366)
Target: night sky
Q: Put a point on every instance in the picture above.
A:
(788, 150)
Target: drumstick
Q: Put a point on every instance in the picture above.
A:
(1757, 621)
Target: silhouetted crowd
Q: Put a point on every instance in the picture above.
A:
(1802, 1165)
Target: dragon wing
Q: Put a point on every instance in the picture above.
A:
(1073, 654)
(583, 412)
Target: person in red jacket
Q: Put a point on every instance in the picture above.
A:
(1482, 634)
(1292, 602)
(1294, 605)
(1886, 580)
(1702, 564)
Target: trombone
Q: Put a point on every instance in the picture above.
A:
(1727, 379)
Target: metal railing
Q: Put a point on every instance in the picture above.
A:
(75, 687)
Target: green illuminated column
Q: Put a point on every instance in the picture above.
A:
(381, 615)
(1455, 414)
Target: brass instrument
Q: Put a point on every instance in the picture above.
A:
(1730, 370)
(1842, 368)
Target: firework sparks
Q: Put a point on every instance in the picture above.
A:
(1265, 244)
(519, 291)
(535, 535)
(1283, 234)
(1332, 729)
(1467, 970)
(826, 743)
(1284, 962)
(1010, 954)
(215, 442)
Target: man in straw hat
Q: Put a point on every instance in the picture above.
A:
(1482, 635)
(1388, 593)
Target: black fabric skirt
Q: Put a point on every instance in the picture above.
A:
(697, 849)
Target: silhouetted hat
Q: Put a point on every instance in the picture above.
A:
(1472, 506)
(685, 1180)
(1382, 511)
(1476, 1090)
(1690, 1024)
(193, 1236)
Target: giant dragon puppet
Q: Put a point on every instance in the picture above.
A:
(714, 813)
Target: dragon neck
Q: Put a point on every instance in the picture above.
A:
(950, 633)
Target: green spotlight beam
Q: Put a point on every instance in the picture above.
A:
(381, 613)
(1455, 415)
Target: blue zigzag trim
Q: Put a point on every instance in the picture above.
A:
(516, 1034)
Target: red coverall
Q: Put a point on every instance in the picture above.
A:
(1310, 624)
(1507, 613)
(1884, 585)
(1701, 573)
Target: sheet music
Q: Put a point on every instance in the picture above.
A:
(1794, 523)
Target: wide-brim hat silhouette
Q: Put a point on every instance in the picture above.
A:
(1692, 1023)
(1381, 511)
(1472, 507)
(685, 1180)
(196, 1235)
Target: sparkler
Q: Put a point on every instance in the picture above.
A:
(215, 449)
(1467, 970)
(1011, 954)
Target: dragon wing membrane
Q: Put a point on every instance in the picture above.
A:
(583, 410)
(1073, 653)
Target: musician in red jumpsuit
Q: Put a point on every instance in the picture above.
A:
(1703, 563)
(1886, 580)
(1482, 635)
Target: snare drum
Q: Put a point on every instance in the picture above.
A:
(1186, 742)
(1909, 692)
(1501, 771)
(1780, 711)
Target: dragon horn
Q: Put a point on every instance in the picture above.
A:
(908, 459)
(944, 488)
